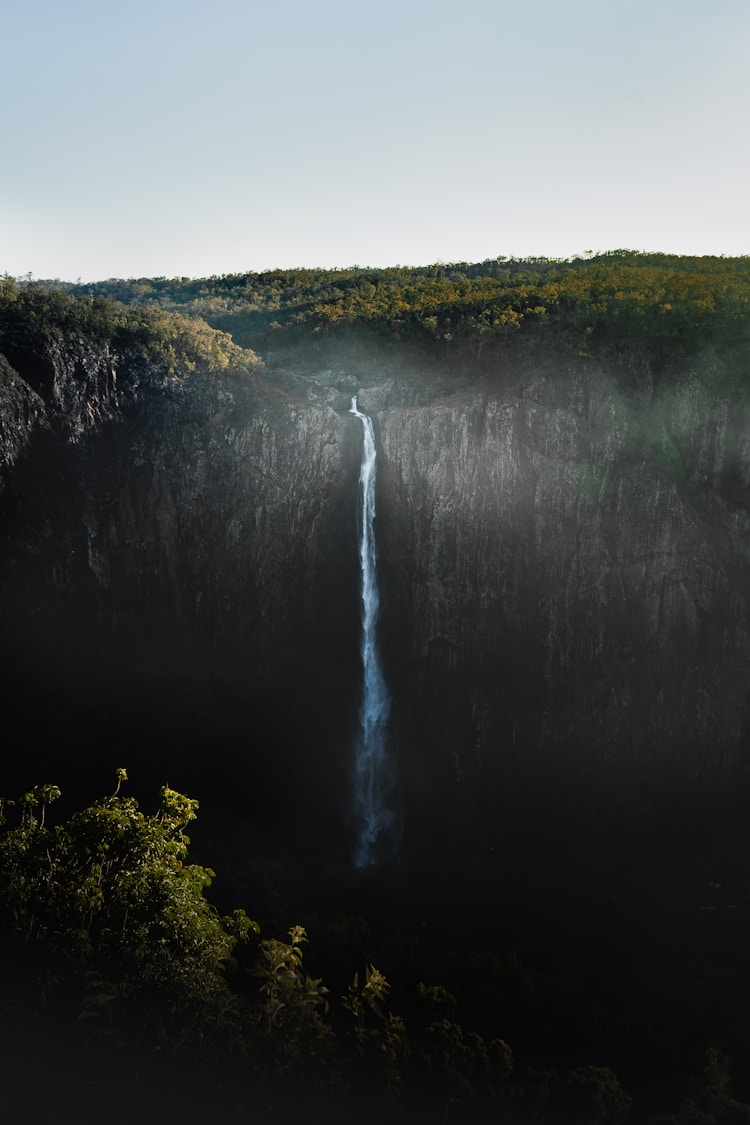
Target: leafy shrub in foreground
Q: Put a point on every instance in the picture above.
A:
(110, 887)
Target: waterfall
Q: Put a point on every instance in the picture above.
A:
(373, 817)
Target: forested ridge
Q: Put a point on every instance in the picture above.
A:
(621, 294)
(34, 314)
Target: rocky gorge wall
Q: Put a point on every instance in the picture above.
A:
(567, 565)
(175, 575)
(563, 552)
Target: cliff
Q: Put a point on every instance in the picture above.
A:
(567, 588)
(563, 561)
(172, 569)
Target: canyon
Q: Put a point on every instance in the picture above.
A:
(564, 571)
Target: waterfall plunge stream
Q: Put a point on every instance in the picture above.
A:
(373, 818)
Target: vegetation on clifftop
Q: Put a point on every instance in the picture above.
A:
(621, 294)
(33, 316)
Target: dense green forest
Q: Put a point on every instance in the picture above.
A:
(459, 315)
(467, 307)
(31, 315)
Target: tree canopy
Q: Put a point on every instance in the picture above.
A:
(32, 316)
(618, 295)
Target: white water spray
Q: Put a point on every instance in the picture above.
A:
(374, 818)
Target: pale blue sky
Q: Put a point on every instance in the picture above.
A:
(170, 137)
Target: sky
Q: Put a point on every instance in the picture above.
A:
(177, 138)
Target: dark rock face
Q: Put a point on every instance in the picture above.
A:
(568, 565)
(564, 567)
(178, 582)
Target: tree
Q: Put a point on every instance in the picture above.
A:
(109, 889)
